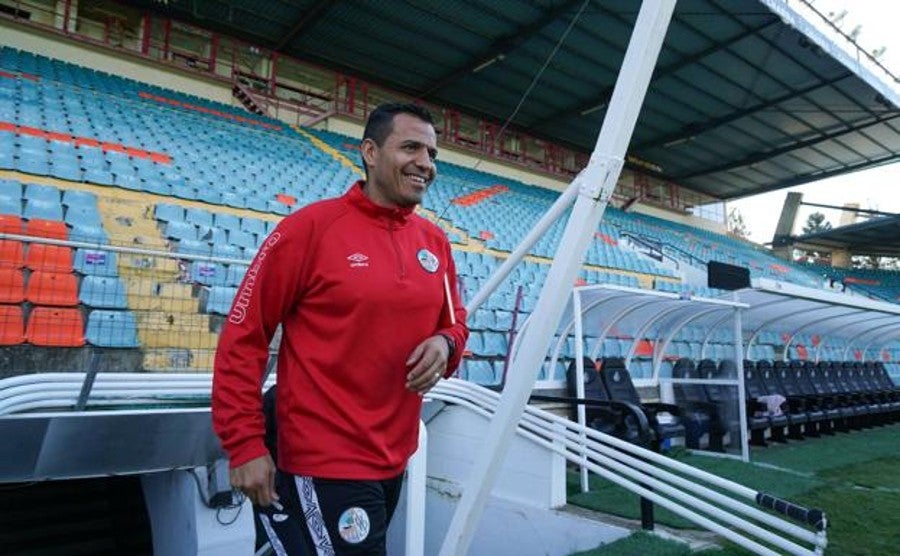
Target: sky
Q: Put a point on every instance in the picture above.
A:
(878, 188)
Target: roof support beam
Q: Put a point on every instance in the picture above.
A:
(305, 21)
(766, 155)
(500, 47)
(603, 98)
(692, 130)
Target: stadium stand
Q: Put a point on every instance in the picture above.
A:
(111, 137)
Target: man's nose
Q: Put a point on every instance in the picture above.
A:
(423, 160)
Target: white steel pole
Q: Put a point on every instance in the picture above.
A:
(560, 206)
(599, 179)
(416, 478)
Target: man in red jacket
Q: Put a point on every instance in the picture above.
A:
(365, 292)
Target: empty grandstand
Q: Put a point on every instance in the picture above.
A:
(147, 150)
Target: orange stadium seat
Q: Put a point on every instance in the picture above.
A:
(12, 325)
(55, 326)
(12, 285)
(11, 254)
(11, 224)
(52, 258)
(52, 288)
(53, 229)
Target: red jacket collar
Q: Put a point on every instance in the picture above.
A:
(357, 198)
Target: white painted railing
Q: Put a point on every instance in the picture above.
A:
(707, 500)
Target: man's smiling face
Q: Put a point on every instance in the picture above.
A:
(400, 170)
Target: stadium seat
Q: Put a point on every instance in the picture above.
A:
(106, 292)
(111, 329)
(616, 418)
(96, 262)
(235, 274)
(12, 253)
(55, 326)
(12, 207)
(51, 258)
(12, 285)
(701, 415)
(48, 210)
(12, 325)
(219, 299)
(52, 288)
(11, 224)
(208, 274)
(617, 381)
(52, 229)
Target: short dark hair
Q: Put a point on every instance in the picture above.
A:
(381, 120)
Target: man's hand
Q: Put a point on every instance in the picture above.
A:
(427, 364)
(256, 479)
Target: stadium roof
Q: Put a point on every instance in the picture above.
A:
(879, 237)
(747, 96)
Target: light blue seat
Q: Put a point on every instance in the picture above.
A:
(10, 189)
(66, 170)
(88, 233)
(48, 210)
(96, 262)
(220, 299)
(208, 274)
(10, 206)
(157, 186)
(254, 226)
(167, 212)
(106, 328)
(33, 165)
(41, 192)
(180, 230)
(226, 221)
(184, 191)
(242, 239)
(107, 292)
(235, 274)
(75, 198)
(198, 216)
(227, 251)
(83, 214)
(193, 247)
(479, 371)
(98, 176)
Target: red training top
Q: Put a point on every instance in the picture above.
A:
(356, 287)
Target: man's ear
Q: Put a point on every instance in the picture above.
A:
(368, 148)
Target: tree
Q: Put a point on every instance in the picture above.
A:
(816, 223)
(736, 225)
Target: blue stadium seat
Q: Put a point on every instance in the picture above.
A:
(180, 230)
(242, 239)
(220, 299)
(41, 192)
(96, 262)
(10, 206)
(47, 210)
(106, 292)
(227, 251)
(88, 234)
(235, 274)
(167, 212)
(226, 221)
(111, 329)
(208, 274)
(193, 247)
(254, 226)
(479, 372)
(198, 216)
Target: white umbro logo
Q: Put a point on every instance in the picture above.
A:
(357, 260)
